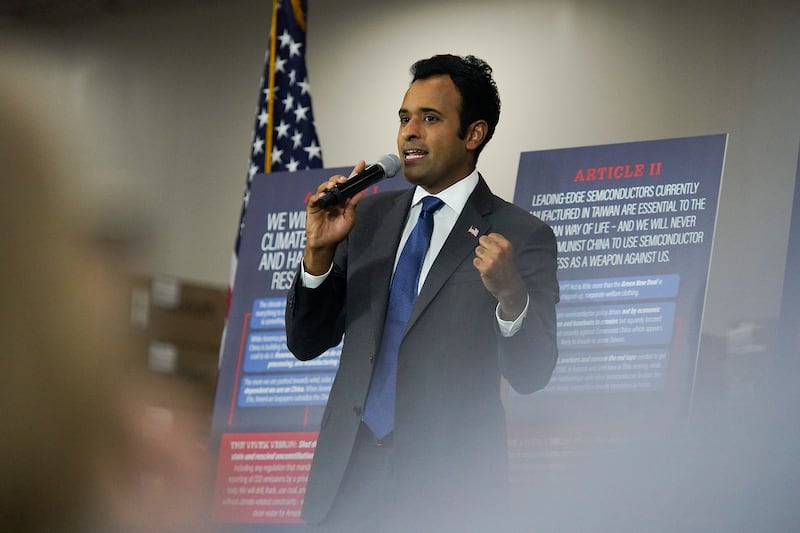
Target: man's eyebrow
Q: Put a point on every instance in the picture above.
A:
(422, 110)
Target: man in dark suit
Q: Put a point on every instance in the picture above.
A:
(484, 308)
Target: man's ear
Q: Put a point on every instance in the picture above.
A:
(476, 133)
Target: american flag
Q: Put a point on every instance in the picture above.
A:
(284, 137)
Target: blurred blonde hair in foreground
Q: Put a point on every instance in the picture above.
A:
(90, 442)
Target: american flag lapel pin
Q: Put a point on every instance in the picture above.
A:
(473, 231)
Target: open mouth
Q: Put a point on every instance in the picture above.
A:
(411, 155)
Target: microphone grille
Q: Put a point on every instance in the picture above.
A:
(390, 164)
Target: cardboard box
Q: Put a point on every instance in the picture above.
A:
(171, 310)
(186, 371)
(187, 361)
(189, 402)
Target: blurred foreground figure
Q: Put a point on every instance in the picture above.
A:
(90, 442)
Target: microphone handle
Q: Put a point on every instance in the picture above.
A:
(338, 194)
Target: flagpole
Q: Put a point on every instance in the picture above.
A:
(273, 36)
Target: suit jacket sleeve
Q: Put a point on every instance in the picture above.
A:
(315, 317)
(527, 358)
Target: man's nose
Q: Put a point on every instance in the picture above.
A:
(410, 130)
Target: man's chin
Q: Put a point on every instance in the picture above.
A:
(413, 175)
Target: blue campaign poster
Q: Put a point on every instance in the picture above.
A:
(634, 223)
(268, 404)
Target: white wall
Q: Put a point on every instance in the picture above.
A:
(158, 105)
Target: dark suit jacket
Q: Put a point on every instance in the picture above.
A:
(449, 436)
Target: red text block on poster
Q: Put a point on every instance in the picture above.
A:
(261, 477)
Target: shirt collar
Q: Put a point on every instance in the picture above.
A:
(455, 196)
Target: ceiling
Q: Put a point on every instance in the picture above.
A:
(15, 12)
(39, 9)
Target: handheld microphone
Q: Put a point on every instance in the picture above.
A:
(386, 167)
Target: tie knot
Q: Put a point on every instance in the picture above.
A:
(429, 206)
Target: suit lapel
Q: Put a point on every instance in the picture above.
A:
(383, 252)
(459, 245)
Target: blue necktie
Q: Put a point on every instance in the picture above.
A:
(379, 411)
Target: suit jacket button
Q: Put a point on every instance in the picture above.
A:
(357, 410)
(372, 358)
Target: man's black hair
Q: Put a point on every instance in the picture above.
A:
(473, 79)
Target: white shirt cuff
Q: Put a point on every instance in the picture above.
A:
(311, 281)
(509, 327)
